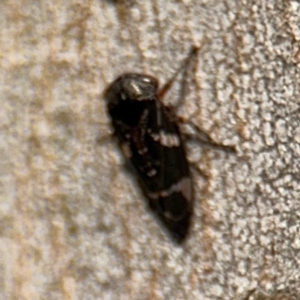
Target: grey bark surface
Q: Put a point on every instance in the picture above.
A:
(73, 222)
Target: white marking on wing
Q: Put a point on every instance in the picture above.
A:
(166, 139)
(143, 151)
(152, 173)
(184, 186)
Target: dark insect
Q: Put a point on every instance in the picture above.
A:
(150, 138)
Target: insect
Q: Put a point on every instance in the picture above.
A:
(149, 136)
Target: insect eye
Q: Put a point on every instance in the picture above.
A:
(147, 79)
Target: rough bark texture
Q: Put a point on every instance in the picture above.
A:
(73, 222)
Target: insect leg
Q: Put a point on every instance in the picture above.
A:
(184, 66)
(204, 139)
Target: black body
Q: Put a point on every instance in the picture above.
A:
(150, 138)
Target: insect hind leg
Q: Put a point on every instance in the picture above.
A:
(204, 139)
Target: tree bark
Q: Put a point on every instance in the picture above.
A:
(74, 224)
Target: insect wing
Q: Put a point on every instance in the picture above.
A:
(149, 136)
(158, 155)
